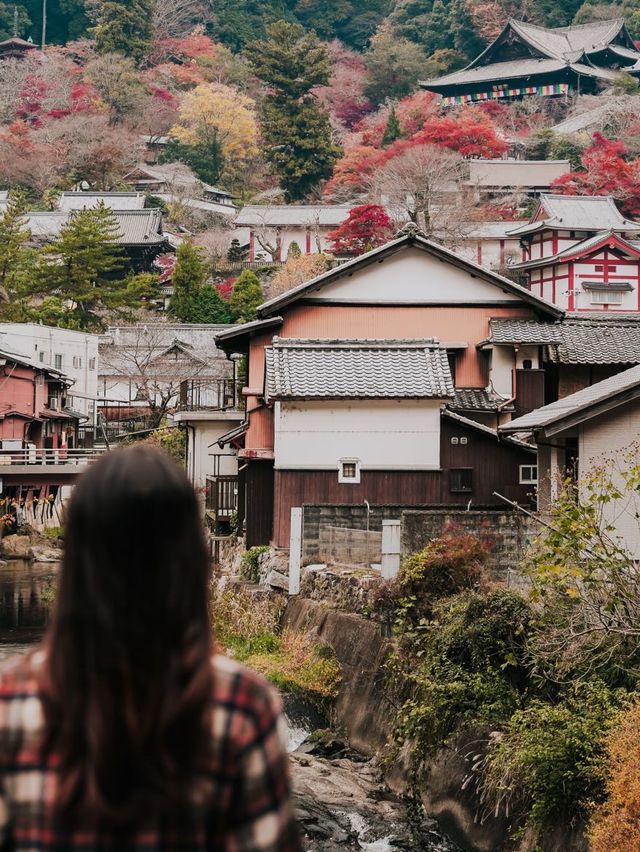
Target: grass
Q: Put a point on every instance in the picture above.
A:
(247, 627)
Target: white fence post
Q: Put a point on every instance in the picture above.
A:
(295, 551)
(390, 549)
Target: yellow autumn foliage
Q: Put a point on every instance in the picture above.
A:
(615, 826)
(213, 109)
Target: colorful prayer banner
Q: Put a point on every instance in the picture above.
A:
(502, 90)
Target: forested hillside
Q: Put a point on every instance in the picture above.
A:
(460, 27)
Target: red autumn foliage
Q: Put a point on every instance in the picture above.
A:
(225, 288)
(366, 227)
(189, 47)
(412, 113)
(605, 172)
(344, 97)
(467, 132)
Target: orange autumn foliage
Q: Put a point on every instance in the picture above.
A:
(615, 826)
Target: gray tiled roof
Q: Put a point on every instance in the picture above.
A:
(608, 340)
(274, 215)
(477, 399)
(579, 213)
(576, 402)
(581, 247)
(357, 369)
(136, 227)
(114, 200)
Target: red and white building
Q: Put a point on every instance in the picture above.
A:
(581, 254)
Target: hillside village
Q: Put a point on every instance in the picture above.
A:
(373, 279)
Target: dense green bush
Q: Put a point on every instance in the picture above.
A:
(464, 666)
(547, 764)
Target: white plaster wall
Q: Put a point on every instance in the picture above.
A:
(530, 353)
(382, 434)
(501, 370)
(413, 277)
(202, 450)
(583, 298)
(605, 440)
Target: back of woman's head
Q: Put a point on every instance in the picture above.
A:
(127, 684)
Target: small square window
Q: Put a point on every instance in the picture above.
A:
(349, 471)
(528, 474)
(461, 479)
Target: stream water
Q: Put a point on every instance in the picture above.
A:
(338, 799)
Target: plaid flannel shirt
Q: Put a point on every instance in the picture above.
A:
(249, 773)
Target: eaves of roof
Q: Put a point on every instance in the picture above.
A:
(394, 246)
(486, 430)
(581, 249)
(236, 338)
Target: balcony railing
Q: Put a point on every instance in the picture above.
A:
(210, 394)
(49, 457)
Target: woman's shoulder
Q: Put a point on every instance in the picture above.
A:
(19, 675)
(240, 690)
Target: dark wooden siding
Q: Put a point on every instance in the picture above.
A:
(259, 502)
(495, 468)
(529, 391)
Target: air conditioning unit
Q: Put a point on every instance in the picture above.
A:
(54, 403)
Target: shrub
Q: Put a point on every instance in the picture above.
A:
(548, 763)
(615, 826)
(463, 666)
(447, 565)
(242, 620)
(250, 566)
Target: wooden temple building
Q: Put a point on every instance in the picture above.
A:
(526, 59)
(581, 254)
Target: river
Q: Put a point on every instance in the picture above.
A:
(341, 800)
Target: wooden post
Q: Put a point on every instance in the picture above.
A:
(295, 551)
(390, 549)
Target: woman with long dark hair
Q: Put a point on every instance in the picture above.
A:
(123, 731)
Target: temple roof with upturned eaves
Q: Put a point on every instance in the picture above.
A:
(530, 52)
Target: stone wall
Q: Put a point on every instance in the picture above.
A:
(510, 533)
(319, 546)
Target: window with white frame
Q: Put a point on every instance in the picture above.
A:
(349, 471)
(606, 297)
(57, 362)
(77, 362)
(528, 474)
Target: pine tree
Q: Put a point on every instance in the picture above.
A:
(392, 130)
(189, 276)
(236, 253)
(124, 26)
(80, 269)
(247, 295)
(208, 306)
(296, 130)
(14, 255)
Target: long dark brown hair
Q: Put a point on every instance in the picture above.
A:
(127, 682)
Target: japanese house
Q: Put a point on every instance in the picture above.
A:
(582, 254)
(367, 384)
(594, 427)
(526, 59)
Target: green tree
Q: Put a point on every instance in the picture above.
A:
(236, 252)
(208, 306)
(392, 130)
(8, 20)
(14, 255)
(351, 21)
(394, 64)
(81, 271)
(189, 276)
(124, 26)
(205, 159)
(247, 295)
(295, 129)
